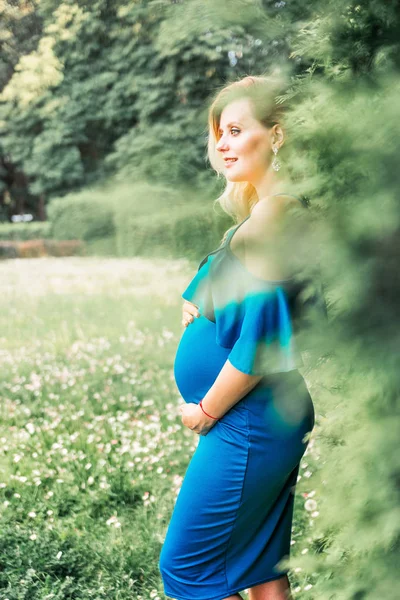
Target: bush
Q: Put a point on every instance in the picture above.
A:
(189, 232)
(31, 249)
(40, 248)
(64, 248)
(84, 216)
(159, 220)
(90, 215)
(25, 231)
(8, 250)
(104, 247)
(140, 219)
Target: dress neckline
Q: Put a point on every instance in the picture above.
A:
(230, 253)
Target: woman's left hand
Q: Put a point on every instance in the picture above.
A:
(194, 418)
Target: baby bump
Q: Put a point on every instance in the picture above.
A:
(198, 359)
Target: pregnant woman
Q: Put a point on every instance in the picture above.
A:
(236, 368)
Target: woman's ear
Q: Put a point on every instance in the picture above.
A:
(277, 134)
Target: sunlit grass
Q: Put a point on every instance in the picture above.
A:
(92, 448)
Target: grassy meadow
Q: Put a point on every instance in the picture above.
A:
(93, 450)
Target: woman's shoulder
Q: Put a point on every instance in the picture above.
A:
(269, 214)
(267, 238)
(276, 205)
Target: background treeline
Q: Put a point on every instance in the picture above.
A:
(114, 86)
(108, 96)
(118, 90)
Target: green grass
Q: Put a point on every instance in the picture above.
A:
(92, 450)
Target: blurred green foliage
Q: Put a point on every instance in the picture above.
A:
(25, 231)
(138, 219)
(189, 233)
(83, 216)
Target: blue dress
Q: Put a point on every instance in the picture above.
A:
(232, 519)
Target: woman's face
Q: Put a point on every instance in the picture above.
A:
(245, 139)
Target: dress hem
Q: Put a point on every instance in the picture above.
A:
(228, 592)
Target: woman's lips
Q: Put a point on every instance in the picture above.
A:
(229, 163)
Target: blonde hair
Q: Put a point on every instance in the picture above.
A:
(264, 92)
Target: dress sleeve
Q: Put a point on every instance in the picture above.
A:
(265, 341)
(257, 319)
(260, 332)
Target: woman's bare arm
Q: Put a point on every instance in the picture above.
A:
(229, 387)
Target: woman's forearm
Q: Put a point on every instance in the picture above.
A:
(229, 387)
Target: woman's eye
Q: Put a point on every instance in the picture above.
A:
(232, 130)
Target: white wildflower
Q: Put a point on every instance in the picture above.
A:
(31, 428)
(310, 505)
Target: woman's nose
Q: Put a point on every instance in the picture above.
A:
(221, 143)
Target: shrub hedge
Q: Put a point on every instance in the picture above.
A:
(131, 219)
(191, 232)
(82, 216)
(160, 220)
(25, 231)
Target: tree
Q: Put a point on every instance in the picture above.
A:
(117, 87)
(20, 31)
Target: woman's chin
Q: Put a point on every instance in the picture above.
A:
(235, 177)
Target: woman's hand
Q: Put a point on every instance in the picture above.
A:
(189, 312)
(194, 418)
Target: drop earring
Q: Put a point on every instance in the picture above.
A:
(276, 165)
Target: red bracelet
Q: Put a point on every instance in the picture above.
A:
(201, 406)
